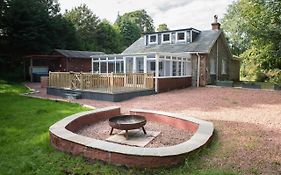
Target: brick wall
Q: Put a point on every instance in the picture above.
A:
(79, 65)
(167, 84)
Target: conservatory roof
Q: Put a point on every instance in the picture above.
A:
(182, 54)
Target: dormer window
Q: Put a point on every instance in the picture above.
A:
(181, 36)
(166, 37)
(152, 39)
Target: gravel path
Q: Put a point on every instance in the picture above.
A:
(247, 123)
(227, 104)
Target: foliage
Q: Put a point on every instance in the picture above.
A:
(130, 31)
(274, 76)
(254, 30)
(141, 18)
(35, 26)
(162, 27)
(132, 24)
(108, 38)
(25, 146)
(85, 22)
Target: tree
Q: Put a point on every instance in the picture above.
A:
(141, 18)
(33, 26)
(129, 31)
(254, 30)
(132, 24)
(108, 38)
(85, 22)
(162, 27)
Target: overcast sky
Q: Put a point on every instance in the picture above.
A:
(175, 13)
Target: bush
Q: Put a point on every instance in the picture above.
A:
(274, 76)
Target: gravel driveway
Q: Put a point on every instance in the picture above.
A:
(248, 122)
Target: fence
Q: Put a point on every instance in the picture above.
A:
(107, 82)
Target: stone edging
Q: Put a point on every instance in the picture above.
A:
(174, 154)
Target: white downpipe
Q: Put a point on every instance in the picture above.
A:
(107, 66)
(134, 64)
(115, 65)
(145, 64)
(125, 65)
(156, 72)
(99, 66)
(198, 70)
(217, 76)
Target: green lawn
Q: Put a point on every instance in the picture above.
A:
(25, 147)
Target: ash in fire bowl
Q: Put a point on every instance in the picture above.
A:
(169, 135)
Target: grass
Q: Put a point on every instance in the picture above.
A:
(25, 147)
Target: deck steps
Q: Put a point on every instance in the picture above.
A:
(73, 95)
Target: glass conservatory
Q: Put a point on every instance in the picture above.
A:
(160, 64)
(168, 69)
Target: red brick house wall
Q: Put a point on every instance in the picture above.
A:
(79, 65)
(167, 84)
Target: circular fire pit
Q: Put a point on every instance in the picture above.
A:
(127, 122)
(64, 137)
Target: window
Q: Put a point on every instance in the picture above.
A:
(166, 38)
(153, 39)
(129, 64)
(152, 66)
(96, 67)
(174, 68)
(212, 66)
(179, 68)
(188, 37)
(161, 69)
(140, 64)
(119, 67)
(181, 36)
(223, 67)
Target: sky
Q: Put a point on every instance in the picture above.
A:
(177, 14)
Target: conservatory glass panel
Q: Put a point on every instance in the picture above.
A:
(167, 68)
(119, 67)
(140, 64)
(103, 67)
(96, 67)
(150, 66)
(129, 64)
(179, 68)
(174, 68)
(161, 68)
(111, 66)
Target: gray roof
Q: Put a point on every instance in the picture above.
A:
(77, 54)
(203, 44)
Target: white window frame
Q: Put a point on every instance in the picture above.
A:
(184, 40)
(156, 41)
(162, 37)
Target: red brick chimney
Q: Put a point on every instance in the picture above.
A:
(216, 25)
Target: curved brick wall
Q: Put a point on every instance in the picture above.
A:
(63, 138)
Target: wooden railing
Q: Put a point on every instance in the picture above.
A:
(107, 82)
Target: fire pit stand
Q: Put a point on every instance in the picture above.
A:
(127, 122)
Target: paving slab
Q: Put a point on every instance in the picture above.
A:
(136, 137)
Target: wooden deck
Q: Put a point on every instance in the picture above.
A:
(111, 83)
